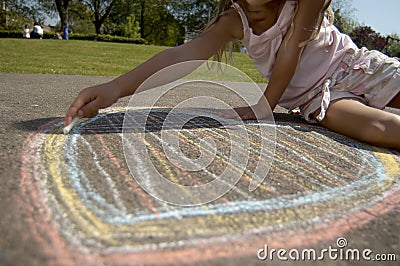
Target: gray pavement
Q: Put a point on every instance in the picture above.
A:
(70, 200)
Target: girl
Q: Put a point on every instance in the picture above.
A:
(307, 61)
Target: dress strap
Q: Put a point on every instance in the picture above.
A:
(242, 14)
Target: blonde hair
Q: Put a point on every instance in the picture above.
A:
(222, 9)
(225, 5)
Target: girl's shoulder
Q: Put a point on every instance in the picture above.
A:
(232, 21)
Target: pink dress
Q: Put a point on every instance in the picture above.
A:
(325, 64)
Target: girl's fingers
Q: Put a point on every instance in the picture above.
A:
(244, 113)
(90, 109)
(229, 114)
(75, 108)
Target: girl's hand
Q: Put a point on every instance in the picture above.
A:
(255, 112)
(90, 100)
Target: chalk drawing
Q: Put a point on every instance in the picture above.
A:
(85, 208)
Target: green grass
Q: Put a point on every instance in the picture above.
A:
(85, 57)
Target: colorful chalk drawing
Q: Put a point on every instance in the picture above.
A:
(85, 208)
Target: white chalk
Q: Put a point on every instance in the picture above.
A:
(68, 128)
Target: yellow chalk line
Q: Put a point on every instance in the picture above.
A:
(310, 158)
(95, 226)
(72, 202)
(391, 164)
(223, 160)
(316, 137)
(165, 165)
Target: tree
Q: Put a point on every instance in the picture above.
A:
(156, 23)
(100, 10)
(392, 45)
(51, 8)
(165, 30)
(365, 36)
(131, 27)
(62, 8)
(16, 13)
(344, 15)
(80, 18)
(119, 17)
(193, 14)
(166, 22)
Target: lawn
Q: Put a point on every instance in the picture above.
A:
(88, 58)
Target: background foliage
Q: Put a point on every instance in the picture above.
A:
(159, 22)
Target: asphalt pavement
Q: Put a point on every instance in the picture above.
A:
(79, 199)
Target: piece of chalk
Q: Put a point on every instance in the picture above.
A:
(68, 128)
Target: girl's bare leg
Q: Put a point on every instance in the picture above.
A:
(356, 120)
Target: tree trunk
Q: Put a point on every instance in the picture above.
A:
(141, 23)
(62, 8)
(101, 14)
(97, 25)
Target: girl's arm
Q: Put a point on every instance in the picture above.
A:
(305, 23)
(227, 28)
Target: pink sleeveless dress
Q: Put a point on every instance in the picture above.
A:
(327, 67)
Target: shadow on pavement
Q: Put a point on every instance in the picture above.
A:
(154, 121)
(35, 124)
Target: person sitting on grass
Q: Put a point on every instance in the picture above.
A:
(307, 62)
(37, 32)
